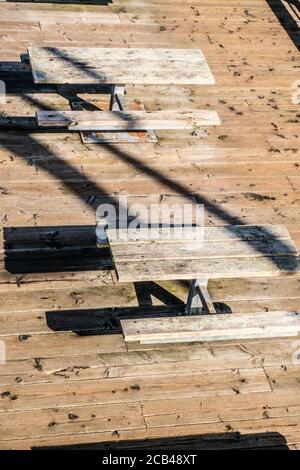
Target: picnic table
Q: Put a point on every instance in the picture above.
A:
(222, 252)
(115, 68)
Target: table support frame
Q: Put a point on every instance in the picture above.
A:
(199, 300)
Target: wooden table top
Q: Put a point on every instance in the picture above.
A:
(74, 65)
(222, 252)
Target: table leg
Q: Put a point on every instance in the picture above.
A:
(117, 98)
(199, 300)
(117, 103)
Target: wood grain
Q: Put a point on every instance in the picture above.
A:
(135, 120)
(245, 171)
(202, 252)
(109, 65)
(212, 327)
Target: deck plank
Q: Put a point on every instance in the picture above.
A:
(132, 389)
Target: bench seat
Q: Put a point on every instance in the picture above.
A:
(127, 121)
(212, 327)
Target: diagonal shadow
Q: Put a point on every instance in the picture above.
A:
(288, 21)
(84, 186)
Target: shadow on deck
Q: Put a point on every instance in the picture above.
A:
(222, 441)
(53, 249)
(288, 14)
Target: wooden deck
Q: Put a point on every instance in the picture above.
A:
(65, 385)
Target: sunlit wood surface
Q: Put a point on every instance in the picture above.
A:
(60, 386)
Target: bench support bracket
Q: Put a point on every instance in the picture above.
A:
(199, 300)
(116, 103)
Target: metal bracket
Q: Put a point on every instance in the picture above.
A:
(116, 99)
(199, 300)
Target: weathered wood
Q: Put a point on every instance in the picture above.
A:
(119, 65)
(212, 268)
(194, 357)
(245, 171)
(193, 253)
(132, 389)
(212, 234)
(102, 417)
(212, 327)
(127, 121)
(208, 249)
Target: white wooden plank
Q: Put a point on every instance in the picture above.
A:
(119, 65)
(197, 250)
(116, 53)
(212, 327)
(134, 120)
(221, 233)
(210, 268)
